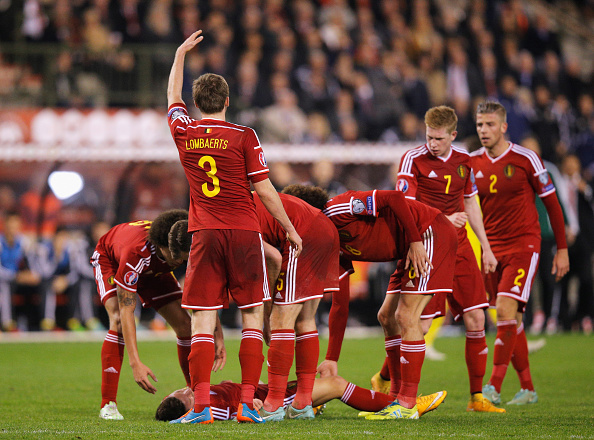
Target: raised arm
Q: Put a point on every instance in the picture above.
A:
(176, 77)
(475, 218)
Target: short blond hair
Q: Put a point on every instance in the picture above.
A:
(442, 117)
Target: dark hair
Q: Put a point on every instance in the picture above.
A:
(160, 227)
(179, 239)
(171, 408)
(488, 107)
(314, 195)
(210, 91)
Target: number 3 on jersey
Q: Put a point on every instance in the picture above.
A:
(211, 174)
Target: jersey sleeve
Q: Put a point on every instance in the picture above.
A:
(539, 177)
(178, 120)
(407, 177)
(470, 189)
(131, 266)
(257, 168)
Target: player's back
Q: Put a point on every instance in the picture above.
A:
(125, 238)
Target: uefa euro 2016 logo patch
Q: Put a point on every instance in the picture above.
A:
(402, 185)
(131, 278)
(509, 170)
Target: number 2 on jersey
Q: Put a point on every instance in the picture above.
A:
(210, 173)
(493, 179)
(448, 177)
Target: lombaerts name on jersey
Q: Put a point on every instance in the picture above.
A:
(194, 144)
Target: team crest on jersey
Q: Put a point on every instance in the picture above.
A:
(110, 281)
(509, 170)
(402, 185)
(131, 278)
(461, 171)
(262, 159)
(358, 206)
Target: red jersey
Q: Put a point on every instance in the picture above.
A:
(369, 230)
(439, 182)
(131, 254)
(219, 159)
(506, 187)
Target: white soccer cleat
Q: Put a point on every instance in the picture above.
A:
(433, 355)
(534, 346)
(110, 412)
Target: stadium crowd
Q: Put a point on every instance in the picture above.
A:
(302, 71)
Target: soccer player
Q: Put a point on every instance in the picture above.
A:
(134, 259)
(384, 226)
(226, 396)
(507, 177)
(440, 175)
(220, 160)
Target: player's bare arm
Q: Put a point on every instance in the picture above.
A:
(561, 259)
(273, 204)
(458, 219)
(176, 77)
(475, 218)
(127, 304)
(220, 351)
(560, 264)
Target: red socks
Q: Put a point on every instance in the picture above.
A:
(520, 359)
(392, 345)
(385, 371)
(412, 355)
(112, 356)
(365, 400)
(184, 346)
(476, 359)
(504, 346)
(250, 359)
(280, 359)
(307, 351)
(200, 362)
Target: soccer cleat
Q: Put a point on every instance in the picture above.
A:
(478, 403)
(395, 411)
(247, 415)
(110, 412)
(534, 346)
(319, 410)
(305, 413)
(433, 355)
(192, 418)
(365, 413)
(430, 402)
(378, 383)
(277, 415)
(524, 397)
(491, 394)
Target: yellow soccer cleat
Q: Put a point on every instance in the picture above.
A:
(395, 411)
(379, 384)
(479, 403)
(430, 402)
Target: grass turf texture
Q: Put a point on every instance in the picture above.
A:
(52, 391)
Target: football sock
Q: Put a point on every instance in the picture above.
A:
(201, 358)
(385, 371)
(112, 356)
(250, 359)
(392, 344)
(365, 400)
(412, 354)
(504, 346)
(476, 359)
(520, 359)
(184, 346)
(307, 351)
(280, 359)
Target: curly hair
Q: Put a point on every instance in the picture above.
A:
(314, 195)
(179, 239)
(160, 227)
(171, 408)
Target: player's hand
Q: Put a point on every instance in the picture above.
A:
(141, 375)
(458, 219)
(220, 358)
(190, 42)
(489, 261)
(257, 404)
(328, 368)
(560, 264)
(417, 258)
(295, 240)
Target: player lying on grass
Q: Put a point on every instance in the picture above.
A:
(226, 395)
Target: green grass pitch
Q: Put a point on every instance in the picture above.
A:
(52, 391)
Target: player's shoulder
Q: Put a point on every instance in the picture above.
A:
(409, 157)
(477, 153)
(459, 151)
(523, 153)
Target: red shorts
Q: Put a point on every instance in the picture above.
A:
(440, 240)
(223, 262)
(469, 290)
(315, 272)
(513, 278)
(154, 291)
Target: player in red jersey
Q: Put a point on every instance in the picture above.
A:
(130, 259)
(220, 160)
(226, 397)
(384, 226)
(440, 175)
(508, 176)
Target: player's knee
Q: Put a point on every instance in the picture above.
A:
(385, 318)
